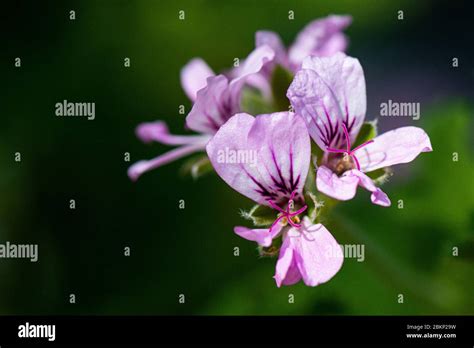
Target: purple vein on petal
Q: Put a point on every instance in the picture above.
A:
(292, 184)
(212, 122)
(263, 191)
(223, 109)
(282, 180)
(329, 121)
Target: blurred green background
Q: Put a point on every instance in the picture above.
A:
(190, 251)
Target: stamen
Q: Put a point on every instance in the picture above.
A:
(349, 152)
(362, 145)
(274, 206)
(275, 222)
(294, 224)
(356, 161)
(298, 212)
(287, 213)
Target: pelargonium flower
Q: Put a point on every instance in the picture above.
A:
(279, 145)
(215, 99)
(329, 93)
(321, 37)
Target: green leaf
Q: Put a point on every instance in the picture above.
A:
(197, 166)
(367, 132)
(281, 80)
(254, 103)
(261, 215)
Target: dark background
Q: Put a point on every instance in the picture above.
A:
(190, 251)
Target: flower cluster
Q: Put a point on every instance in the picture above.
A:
(318, 151)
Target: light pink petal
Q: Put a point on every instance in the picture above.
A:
(274, 155)
(378, 196)
(194, 76)
(318, 256)
(342, 188)
(262, 236)
(317, 39)
(273, 40)
(138, 168)
(158, 131)
(261, 80)
(312, 98)
(345, 78)
(401, 145)
(220, 99)
(336, 43)
(254, 63)
(251, 66)
(286, 270)
(212, 107)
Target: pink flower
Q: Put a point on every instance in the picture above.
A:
(215, 99)
(321, 37)
(279, 145)
(308, 253)
(329, 93)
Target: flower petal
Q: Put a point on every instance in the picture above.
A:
(253, 71)
(220, 99)
(312, 99)
(317, 39)
(345, 78)
(401, 145)
(262, 236)
(286, 270)
(138, 168)
(273, 40)
(378, 196)
(336, 43)
(342, 188)
(158, 131)
(261, 81)
(263, 158)
(318, 256)
(253, 63)
(212, 107)
(248, 72)
(194, 77)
